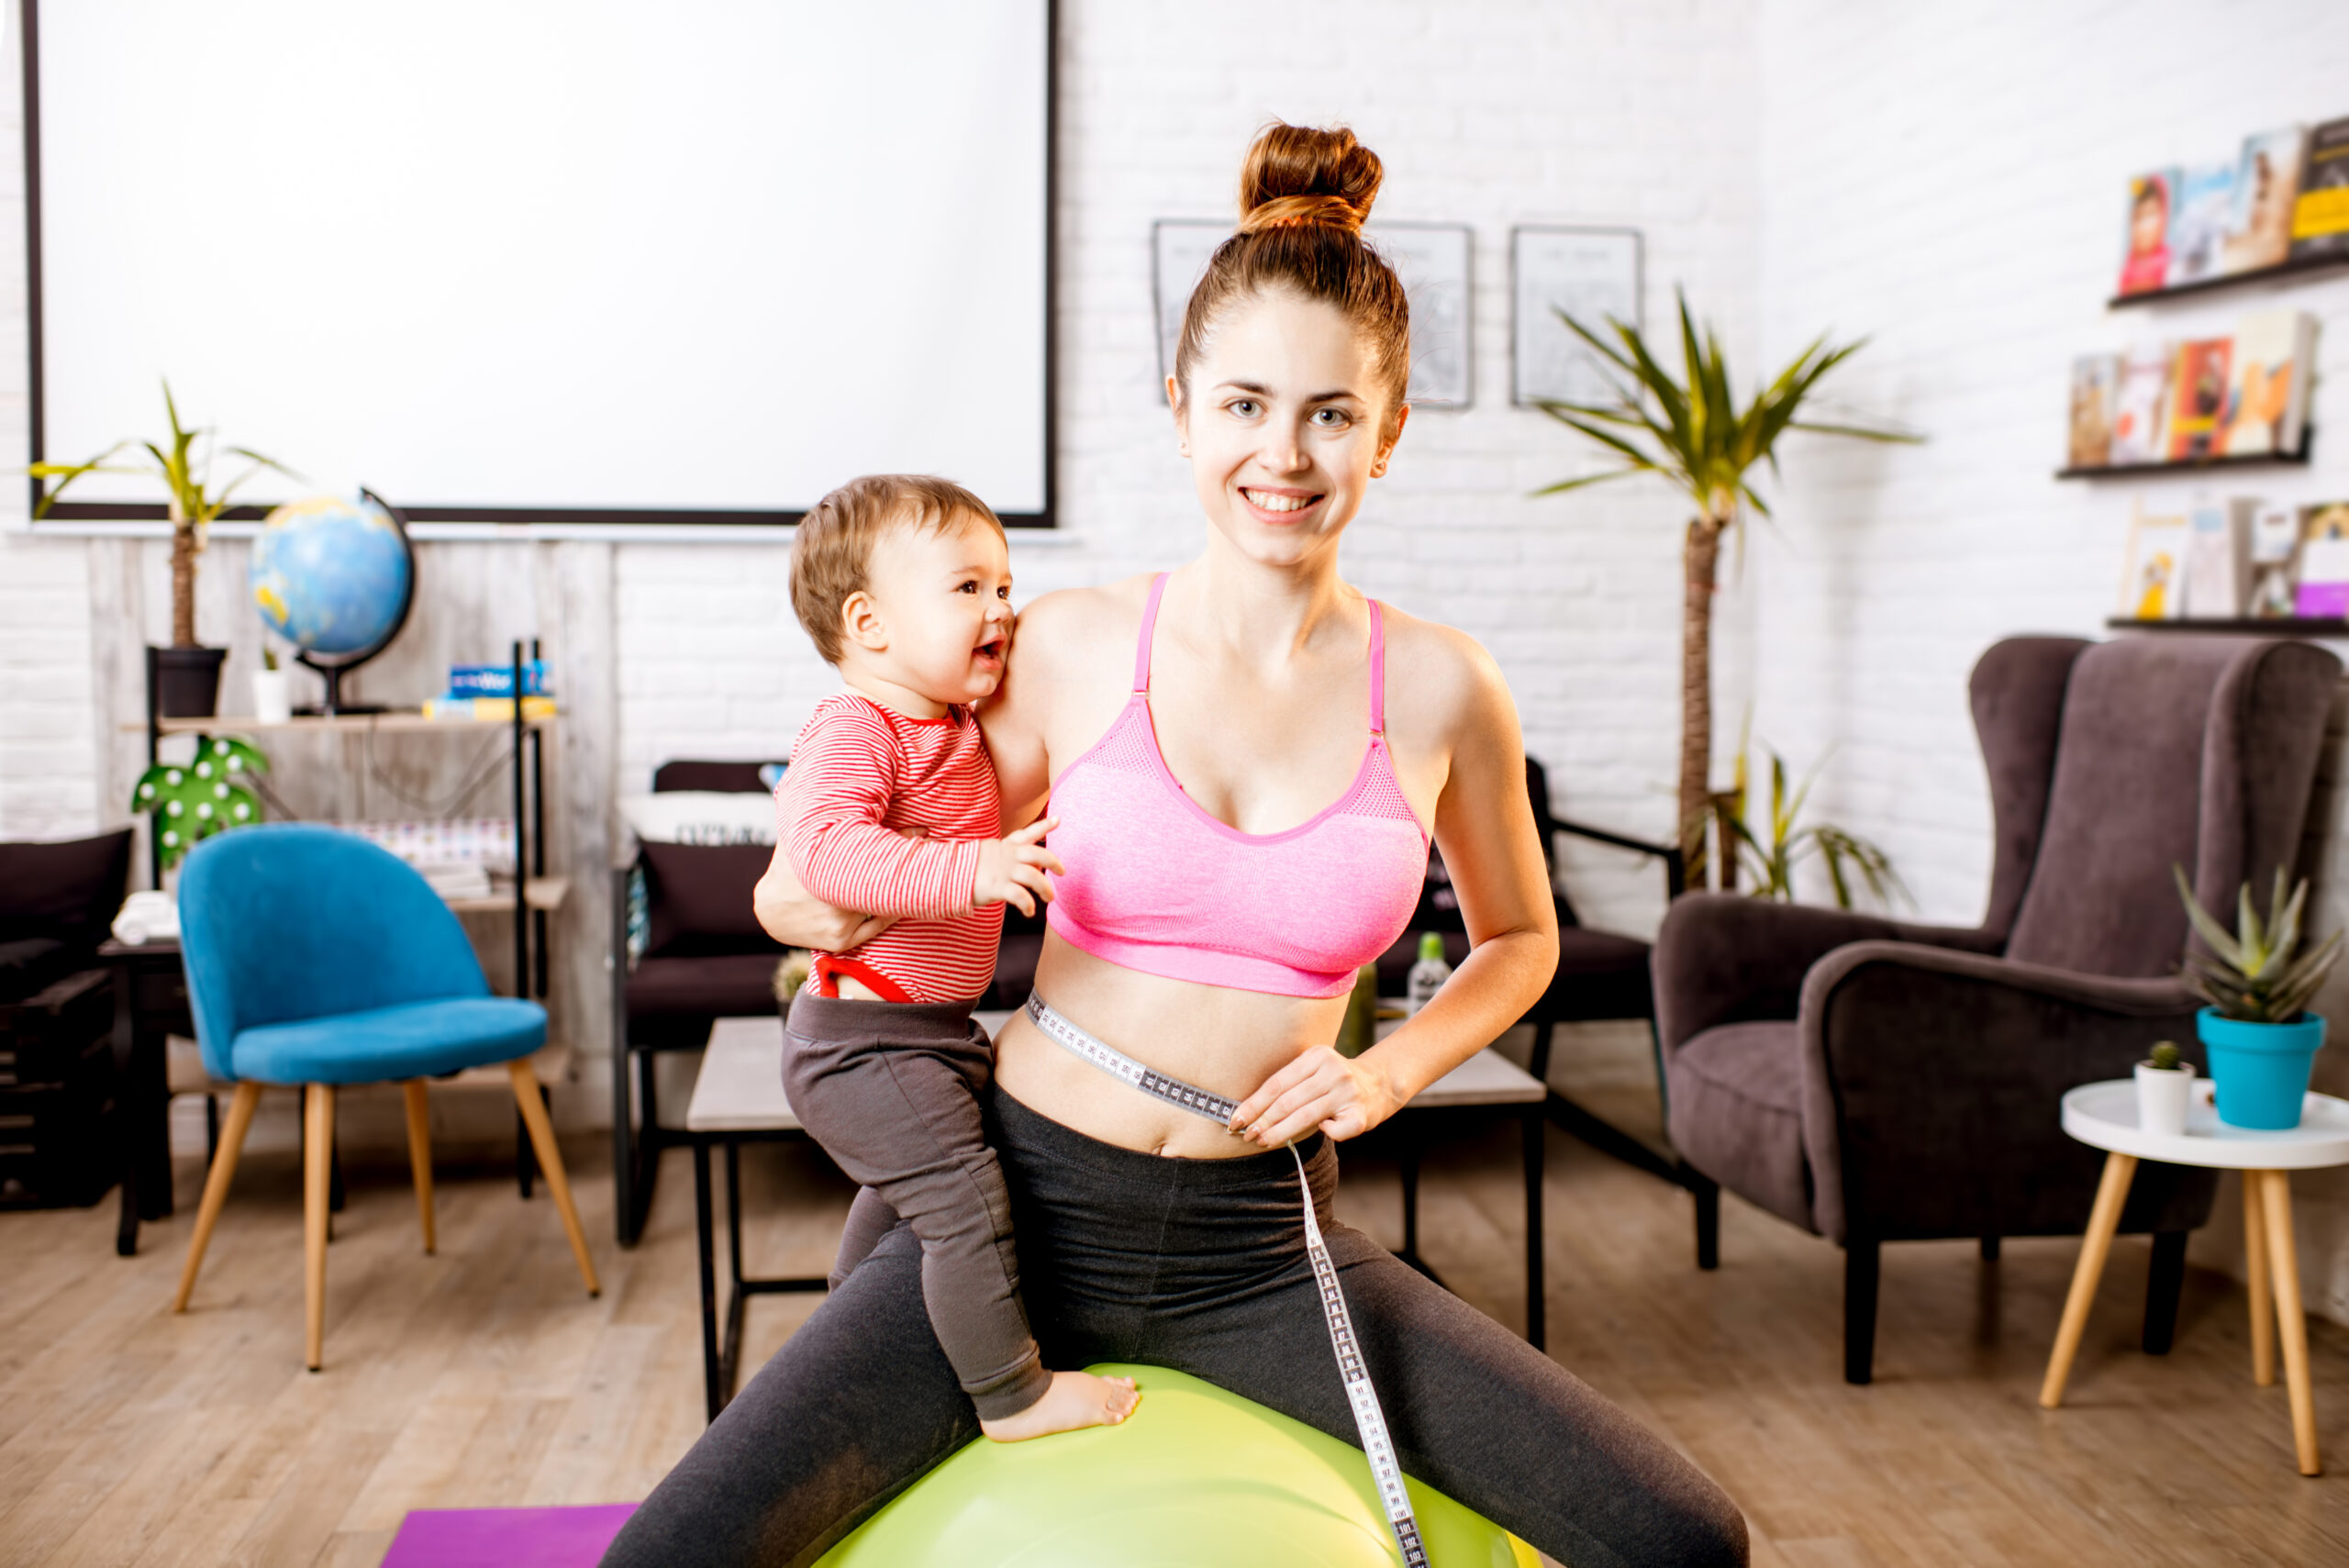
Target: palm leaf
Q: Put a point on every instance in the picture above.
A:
(2214, 936)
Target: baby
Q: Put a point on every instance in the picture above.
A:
(890, 806)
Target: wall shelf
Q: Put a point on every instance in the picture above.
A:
(2198, 464)
(2280, 626)
(396, 720)
(2277, 273)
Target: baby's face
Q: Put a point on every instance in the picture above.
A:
(945, 598)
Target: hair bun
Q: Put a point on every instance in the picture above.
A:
(1304, 176)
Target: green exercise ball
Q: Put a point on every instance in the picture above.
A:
(1196, 1478)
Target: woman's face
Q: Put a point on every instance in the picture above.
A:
(1285, 425)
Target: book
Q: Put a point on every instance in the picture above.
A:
(2217, 563)
(2144, 249)
(2267, 384)
(2274, 559)
(2323, 592)
(2320, 209)
(2198, 396)
(2096, 383)
(2268, 181)
(2150, 587)
(2198, 219)
(2141, 405)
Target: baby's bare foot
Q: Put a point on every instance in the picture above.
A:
(1075, 1399)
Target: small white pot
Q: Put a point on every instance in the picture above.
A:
(2162, 1093)
(272, 699)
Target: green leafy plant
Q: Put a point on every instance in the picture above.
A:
(2166, 1057)
(192, 503)
(1770, 855)
(2250, 973)
(191, 801)
(1690, 432)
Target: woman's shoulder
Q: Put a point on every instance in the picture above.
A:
(1437, 677)
(1081, 624)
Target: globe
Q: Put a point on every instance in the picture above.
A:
(333, 576)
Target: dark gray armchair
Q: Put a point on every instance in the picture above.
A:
(1873, 1081)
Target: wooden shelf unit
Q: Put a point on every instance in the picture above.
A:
(393, 721)
(2197, 464)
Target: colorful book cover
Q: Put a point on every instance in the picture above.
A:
(2215, 564)
(2144, 251)
(2268, 181)
(2096, 383)
(2275, 561)
(2199, 220)
(2324, 591)
(2198, 396)
(2267, 384)
(2141, 406)
(2320, 211)
(2150, 591)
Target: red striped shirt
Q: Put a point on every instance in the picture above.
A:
(859, 773)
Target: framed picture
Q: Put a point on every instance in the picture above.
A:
(1435, 261)
(1590, 273)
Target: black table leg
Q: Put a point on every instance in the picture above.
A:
(710, 1398)
(729, 1354)
(1536, 1325)
(1410, 1164)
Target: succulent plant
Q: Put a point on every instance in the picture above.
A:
(2251, 974)
(203, 795)
(2166, 1057)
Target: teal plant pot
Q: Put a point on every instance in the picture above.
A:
(2261, 1071)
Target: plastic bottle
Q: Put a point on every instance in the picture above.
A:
(1428, 974)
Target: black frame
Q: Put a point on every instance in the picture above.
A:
(121, 511)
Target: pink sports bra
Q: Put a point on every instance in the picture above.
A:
(1156, 884)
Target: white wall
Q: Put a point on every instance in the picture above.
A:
(1950, 180)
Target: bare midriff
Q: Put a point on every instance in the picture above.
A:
(1224, 1041)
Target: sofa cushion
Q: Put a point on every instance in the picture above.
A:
(719, 985)
(701, 900)
(1736, 1095)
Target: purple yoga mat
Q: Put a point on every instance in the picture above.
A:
(506, 1537)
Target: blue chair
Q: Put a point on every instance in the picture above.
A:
(315, 958)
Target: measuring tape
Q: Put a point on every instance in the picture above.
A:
(1370, 1422)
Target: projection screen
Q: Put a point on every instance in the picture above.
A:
(570, 262)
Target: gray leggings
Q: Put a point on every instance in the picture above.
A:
(1198, 1265)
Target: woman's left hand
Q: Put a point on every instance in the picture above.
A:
(1344, 1096)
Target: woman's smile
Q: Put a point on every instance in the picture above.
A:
(1278, 505)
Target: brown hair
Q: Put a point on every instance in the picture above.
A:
(1303, 194)
(831, 556)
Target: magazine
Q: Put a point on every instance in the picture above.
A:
(2197, 395)
(2320, 210)
(2149, 590)
(2096, 382)
(2144, 251)
(2141, 405)
(2267, 384)
(2199, 222)
(2259, 230)
(2216, 566)
(2274, 557)
(2324, 591)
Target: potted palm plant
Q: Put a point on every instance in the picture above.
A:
(1689, 431)
(187, 675)
(2262, 1040)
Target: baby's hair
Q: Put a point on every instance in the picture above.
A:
(831, 556)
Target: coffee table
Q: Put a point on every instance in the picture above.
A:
(2104, 1115)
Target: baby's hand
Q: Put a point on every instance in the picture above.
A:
(1012, 868)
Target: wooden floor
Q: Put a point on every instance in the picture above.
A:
(485, 1376)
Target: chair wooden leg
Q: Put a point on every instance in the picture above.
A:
(419, 1154)
(2111, 1194)
(215, 1185)
(534, 1114)
(2262, 1305)
(2284, 1263)
(1861, 1266)
(318, 1179)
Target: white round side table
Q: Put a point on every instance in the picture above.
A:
(2104, 1115)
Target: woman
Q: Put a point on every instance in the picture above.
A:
(1242, 826)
